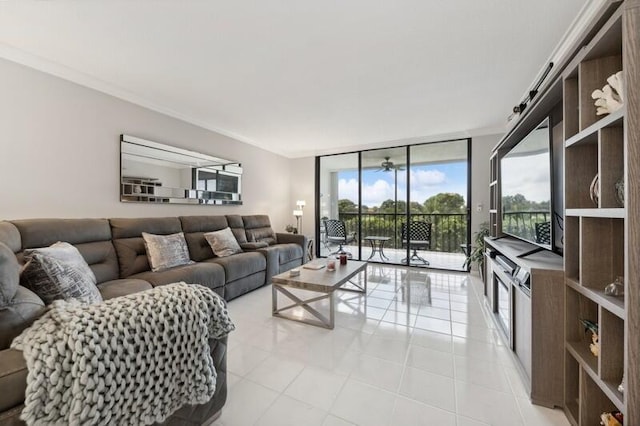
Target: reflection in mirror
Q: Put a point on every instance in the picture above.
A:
(152, 172)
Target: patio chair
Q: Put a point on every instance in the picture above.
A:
(543, 232)
(419, 237)
(336, 233)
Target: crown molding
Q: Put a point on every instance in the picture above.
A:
(38, 63)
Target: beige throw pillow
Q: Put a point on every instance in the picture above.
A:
(223, 242)
(166, 251)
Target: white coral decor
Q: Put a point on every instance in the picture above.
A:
(609, 99)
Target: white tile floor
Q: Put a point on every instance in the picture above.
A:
(402, 355)
(436, 259)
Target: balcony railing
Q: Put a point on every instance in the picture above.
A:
(448, 230)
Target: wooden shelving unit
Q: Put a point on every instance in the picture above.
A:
(602, 236)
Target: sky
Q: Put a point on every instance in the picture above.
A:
(529, 176)
(526, 169)
(426, 181)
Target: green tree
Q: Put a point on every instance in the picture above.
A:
(519, 203)
(416, 207)
(347, 206)
(445, 202)
(388, 206)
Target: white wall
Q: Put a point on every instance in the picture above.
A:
(303, 176)
(60, 154)
(60, 157)
(303, 188)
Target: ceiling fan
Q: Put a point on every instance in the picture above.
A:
(387, 166)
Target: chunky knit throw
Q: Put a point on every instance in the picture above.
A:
(130, 360)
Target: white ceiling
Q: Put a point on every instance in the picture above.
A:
(301, 77)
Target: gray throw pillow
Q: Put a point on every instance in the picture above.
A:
(59, 272)
(9, 275)
(223, 242)
(166, 251)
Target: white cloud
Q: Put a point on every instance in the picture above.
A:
(424, 184)
(427, 178)
(348, 189)
(528, 176)
(373, 194)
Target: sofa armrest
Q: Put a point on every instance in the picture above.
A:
(20, 313)
(13, 379)
(299, 239)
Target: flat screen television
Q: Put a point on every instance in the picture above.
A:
(526, 188)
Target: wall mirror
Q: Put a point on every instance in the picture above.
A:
(151, 172)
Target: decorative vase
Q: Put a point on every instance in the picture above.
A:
(594, 190)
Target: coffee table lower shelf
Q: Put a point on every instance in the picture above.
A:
(317, 281)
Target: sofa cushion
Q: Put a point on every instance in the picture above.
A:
(241, 265)
(262, 235)
(194, 228)
(222, 242)
(13, 378)
(237, 227)
(128, 242)
(166, 251)
(116, 288)
(10, 236)
(9, 274)
(19, 314)
(258, 229)
(59, 272)
(203, 223)
(199, 247)
(92, 238)
(208, 274)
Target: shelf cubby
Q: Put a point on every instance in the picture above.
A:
(570, 107)
(579, 307)
(601, 251)
(572, 248)
(571, 394)
(611, 360)
(593, 401)
(593, 75)
(615, 305)
(611, 156)
(581, 165)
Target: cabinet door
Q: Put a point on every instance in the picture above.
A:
(522, 328)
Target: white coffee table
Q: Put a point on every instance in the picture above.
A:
(318, 281)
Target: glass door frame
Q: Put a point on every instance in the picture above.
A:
(407, 214)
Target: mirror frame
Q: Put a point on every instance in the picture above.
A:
(225, 176)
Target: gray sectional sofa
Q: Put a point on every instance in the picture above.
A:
(115, 252)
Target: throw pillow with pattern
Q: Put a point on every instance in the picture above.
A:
(166, 251)
(223, 242)
(59, 272)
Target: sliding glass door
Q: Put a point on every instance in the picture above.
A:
(405, 205)
(439, 193)
(338, 202)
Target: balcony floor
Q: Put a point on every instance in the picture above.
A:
(436, 259)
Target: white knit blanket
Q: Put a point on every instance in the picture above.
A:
(130, 360)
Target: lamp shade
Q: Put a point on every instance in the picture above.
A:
(301, 203)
